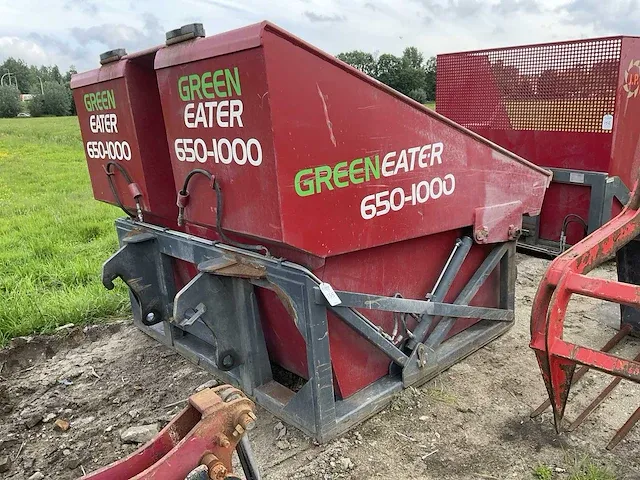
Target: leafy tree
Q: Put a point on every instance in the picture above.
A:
(56, 100)
(410, 74)
(361, 60)
(419, 95)
(19, 71)
(9, 101)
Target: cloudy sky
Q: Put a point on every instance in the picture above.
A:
(66, 32)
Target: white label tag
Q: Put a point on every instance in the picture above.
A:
(330, 294)
(607, 122)
(575, 177)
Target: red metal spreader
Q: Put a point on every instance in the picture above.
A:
(567, 276)
(571, 107)
(342, 240)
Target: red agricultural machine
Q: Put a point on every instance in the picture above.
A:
(571, 107)
(307, 234)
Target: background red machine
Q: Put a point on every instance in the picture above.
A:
(123, 133)
(571, 107)
(339, 241)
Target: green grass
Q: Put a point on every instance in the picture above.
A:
(53, 235)
(577, 468)
(431, 105)
(584, 468)
(543, 472)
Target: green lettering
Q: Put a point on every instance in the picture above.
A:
(323, 175)
(304, 187)
(111, 99)
(353, 171)
(219, 83)
(207, 85)
(194, 86)
(338, 173)
(371, 168)
(233, 81)
(92, 99)
(105, 100)
(183, 88)
(87, 101)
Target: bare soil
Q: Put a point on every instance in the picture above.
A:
(472, 422)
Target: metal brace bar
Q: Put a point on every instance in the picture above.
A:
(468, 292)
(406, 305)
(371, 333)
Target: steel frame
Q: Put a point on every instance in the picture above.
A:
(214, 321)
(603, 190)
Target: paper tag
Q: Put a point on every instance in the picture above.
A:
(607, 122)
(330, 294)
(575, 177)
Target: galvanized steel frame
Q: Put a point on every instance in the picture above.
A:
(226, 336)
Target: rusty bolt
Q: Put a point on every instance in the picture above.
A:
(514, 232)
(247, 421)
(223, 441)
(217, 470)
(239, 430)
(481, 234)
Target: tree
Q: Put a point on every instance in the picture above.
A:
(9, 101)
(361, 60)
(410, 74)
(56, 100)
(19, 71)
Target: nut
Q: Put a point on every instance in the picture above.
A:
(481, 234)
(514, 232)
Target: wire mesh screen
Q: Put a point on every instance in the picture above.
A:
(567, 86)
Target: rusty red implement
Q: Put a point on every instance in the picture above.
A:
(567, 275)
(204, 434)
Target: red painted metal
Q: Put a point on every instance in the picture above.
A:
(546, 103)
(125, 126)
(206, 425)
(567, 275)
(309, 113)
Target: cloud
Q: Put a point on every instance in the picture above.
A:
(122, 35)
(318, 17)
(509, 7)
(618, 17)
(90, 7)
(29, 51)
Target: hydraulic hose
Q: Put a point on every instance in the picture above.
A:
(183, 200)
(133, 188)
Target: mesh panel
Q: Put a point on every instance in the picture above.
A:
(559, 87)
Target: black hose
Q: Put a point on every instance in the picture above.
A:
(576, 218)
(219, 210)
(112, 186)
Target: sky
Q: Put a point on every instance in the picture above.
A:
(75, 32)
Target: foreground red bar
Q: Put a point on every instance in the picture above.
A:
(205, 433)
(567, 275)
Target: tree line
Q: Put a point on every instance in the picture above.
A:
(410, 74)
(49, 87)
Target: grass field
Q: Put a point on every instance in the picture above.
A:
(53, 235)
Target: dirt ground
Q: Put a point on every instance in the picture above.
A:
(472, 422)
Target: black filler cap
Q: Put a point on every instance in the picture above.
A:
(184, 33)
(112, 56)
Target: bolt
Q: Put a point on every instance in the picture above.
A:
(217, 470)
(223, 441)
(514, 232)
(227, 361)
(247, 421)
(481, 234)
(151, 317)
(239, 430)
